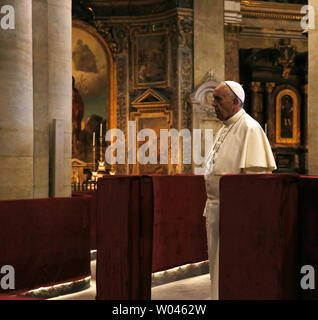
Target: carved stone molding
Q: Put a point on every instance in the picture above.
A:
(286, 57)
(232, 12)
(106, 8)
(122, 102)
(108, 34)
(181, 28)
(201, 101)
(277, 11)
(122, 93)
(271, 20)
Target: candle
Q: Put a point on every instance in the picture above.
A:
(94, 139)
(101, 130)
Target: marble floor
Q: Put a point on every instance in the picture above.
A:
(193, 288)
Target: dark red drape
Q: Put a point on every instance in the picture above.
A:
(92, 209)
(179, 225)
(45, 240)
(124, 237)
(258, 236)
(308, 224)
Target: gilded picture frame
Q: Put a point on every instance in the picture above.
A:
(151, 63)
(287, 117)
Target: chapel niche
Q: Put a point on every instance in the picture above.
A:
(151, 45)
(275, 81)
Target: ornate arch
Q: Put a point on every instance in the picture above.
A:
(112, 119)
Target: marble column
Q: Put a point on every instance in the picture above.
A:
(313, 95)
(232, 23)
(52, 67)
(40, 98)
(16, 105)
(270, 112)
(208, 39)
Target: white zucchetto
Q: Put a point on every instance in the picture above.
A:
(237, 89)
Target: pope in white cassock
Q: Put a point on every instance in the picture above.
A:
(240, 146)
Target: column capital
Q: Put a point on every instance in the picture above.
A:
(269, 86)
(255, 86)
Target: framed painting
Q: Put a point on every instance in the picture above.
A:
(287, 117)
(151, 60)
(161, 119)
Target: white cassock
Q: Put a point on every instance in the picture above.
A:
(241, 146)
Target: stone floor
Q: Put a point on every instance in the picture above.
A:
(193, 288)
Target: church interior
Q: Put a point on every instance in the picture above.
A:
(76, 225)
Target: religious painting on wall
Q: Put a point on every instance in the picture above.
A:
(287, 117)
(151, 59)
(91, 96)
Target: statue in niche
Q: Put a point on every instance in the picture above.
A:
(287, 117)
(77, 116)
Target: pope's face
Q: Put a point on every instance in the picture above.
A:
(223, 103)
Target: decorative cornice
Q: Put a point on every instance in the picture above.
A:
(269, 15)
(137, 8)
(269, 5)
(232, 12)
(271, 10)
(152, 18)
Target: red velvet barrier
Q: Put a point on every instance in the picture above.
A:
(45, 240)
(124, 238)
(13, 297)
(308, 209)
(92, 213)
(179, 225)
(258, 236)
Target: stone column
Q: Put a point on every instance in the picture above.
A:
(60, 89)
(313, 95)
(270, 112)
(232, 63)
(40, 98)
(16, 105)
(52, 34)
(256, 102)
(208, 39)
(232, 23)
